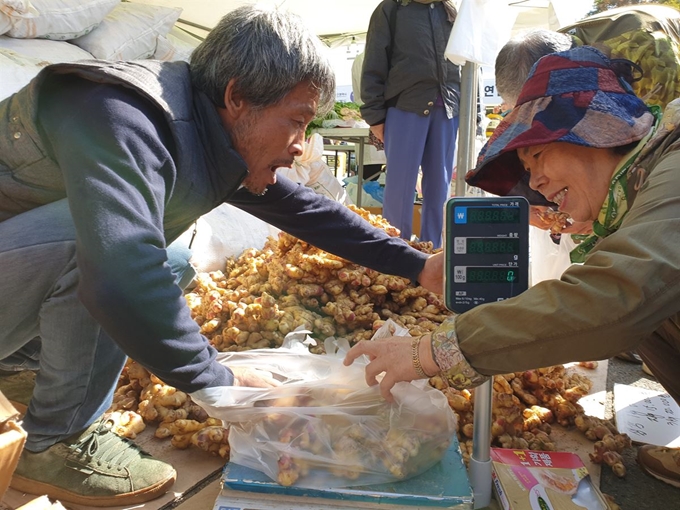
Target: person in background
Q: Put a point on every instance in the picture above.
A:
(583, 140)
(411, 98)
(102, 166)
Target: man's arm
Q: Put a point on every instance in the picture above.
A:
(331, 226)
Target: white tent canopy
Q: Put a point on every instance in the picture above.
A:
(330, 18)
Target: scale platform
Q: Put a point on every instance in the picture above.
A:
(445, 485)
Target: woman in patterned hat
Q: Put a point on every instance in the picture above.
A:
(581, 140)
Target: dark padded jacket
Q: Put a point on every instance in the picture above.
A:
(408, 69)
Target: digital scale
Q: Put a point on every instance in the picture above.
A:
(486, 246)
(445, 485)
(486, 250)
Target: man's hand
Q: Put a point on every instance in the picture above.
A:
(432, 275)
(245, 376)
(379, 131)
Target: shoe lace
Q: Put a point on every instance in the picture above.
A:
(105, 446)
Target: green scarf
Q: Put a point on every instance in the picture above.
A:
(449, 6)
(615, 206)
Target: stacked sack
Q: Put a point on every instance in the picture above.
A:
(36, 33)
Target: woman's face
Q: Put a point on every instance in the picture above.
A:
(576, 178)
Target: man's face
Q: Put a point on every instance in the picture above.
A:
(269, 138)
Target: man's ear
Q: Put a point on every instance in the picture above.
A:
(234, 103)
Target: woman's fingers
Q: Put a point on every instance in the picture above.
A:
(359, 350)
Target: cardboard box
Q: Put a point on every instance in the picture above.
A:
(416, 216)
(12, 439)
(536, 480)
(42, 503)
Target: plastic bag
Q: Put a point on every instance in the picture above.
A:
(481, 28)
(371, 196)
(548, 260)
(324, 426)
(224, 232)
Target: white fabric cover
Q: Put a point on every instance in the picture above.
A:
(129, 32)
(54, 19)
(44, 49)
(311, 170)
(5, 23)
(22, 59)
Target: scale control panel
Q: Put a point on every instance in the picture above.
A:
(486, 245)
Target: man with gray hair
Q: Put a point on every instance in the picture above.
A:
(102, 165)
(518, 56)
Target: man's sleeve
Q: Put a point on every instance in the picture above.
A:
(331, 226)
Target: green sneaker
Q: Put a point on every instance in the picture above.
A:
(94, 468)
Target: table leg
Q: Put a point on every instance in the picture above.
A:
(360, 171)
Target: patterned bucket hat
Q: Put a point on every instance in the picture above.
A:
(572, 96)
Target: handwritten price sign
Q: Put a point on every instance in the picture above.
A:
(647, 416)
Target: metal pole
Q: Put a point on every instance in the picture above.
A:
(480, 462)
(360, 169)
(467, 125)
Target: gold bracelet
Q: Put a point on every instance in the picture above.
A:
(415, 356)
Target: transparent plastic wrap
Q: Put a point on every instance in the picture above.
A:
(324, 426)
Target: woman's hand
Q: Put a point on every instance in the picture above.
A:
(556, 222)
(432, 275)
(246, 376)
(579, 227)
(393, 357)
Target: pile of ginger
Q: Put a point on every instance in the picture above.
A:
(264, 294)
(526, 405)
(141, 398)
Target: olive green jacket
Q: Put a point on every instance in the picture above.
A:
(628, 286)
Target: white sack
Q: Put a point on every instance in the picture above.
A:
(129, 32)
(548, 260)
(55, 19)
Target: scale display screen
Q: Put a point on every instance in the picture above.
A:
(493, 215)
(491, 274)
(486, 249)
(492, 245)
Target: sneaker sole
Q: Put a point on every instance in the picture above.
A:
(670, 481)
(22, 484)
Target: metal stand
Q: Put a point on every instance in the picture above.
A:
(359, 137)
(480, 463)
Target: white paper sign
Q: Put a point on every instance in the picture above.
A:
(647, 416)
